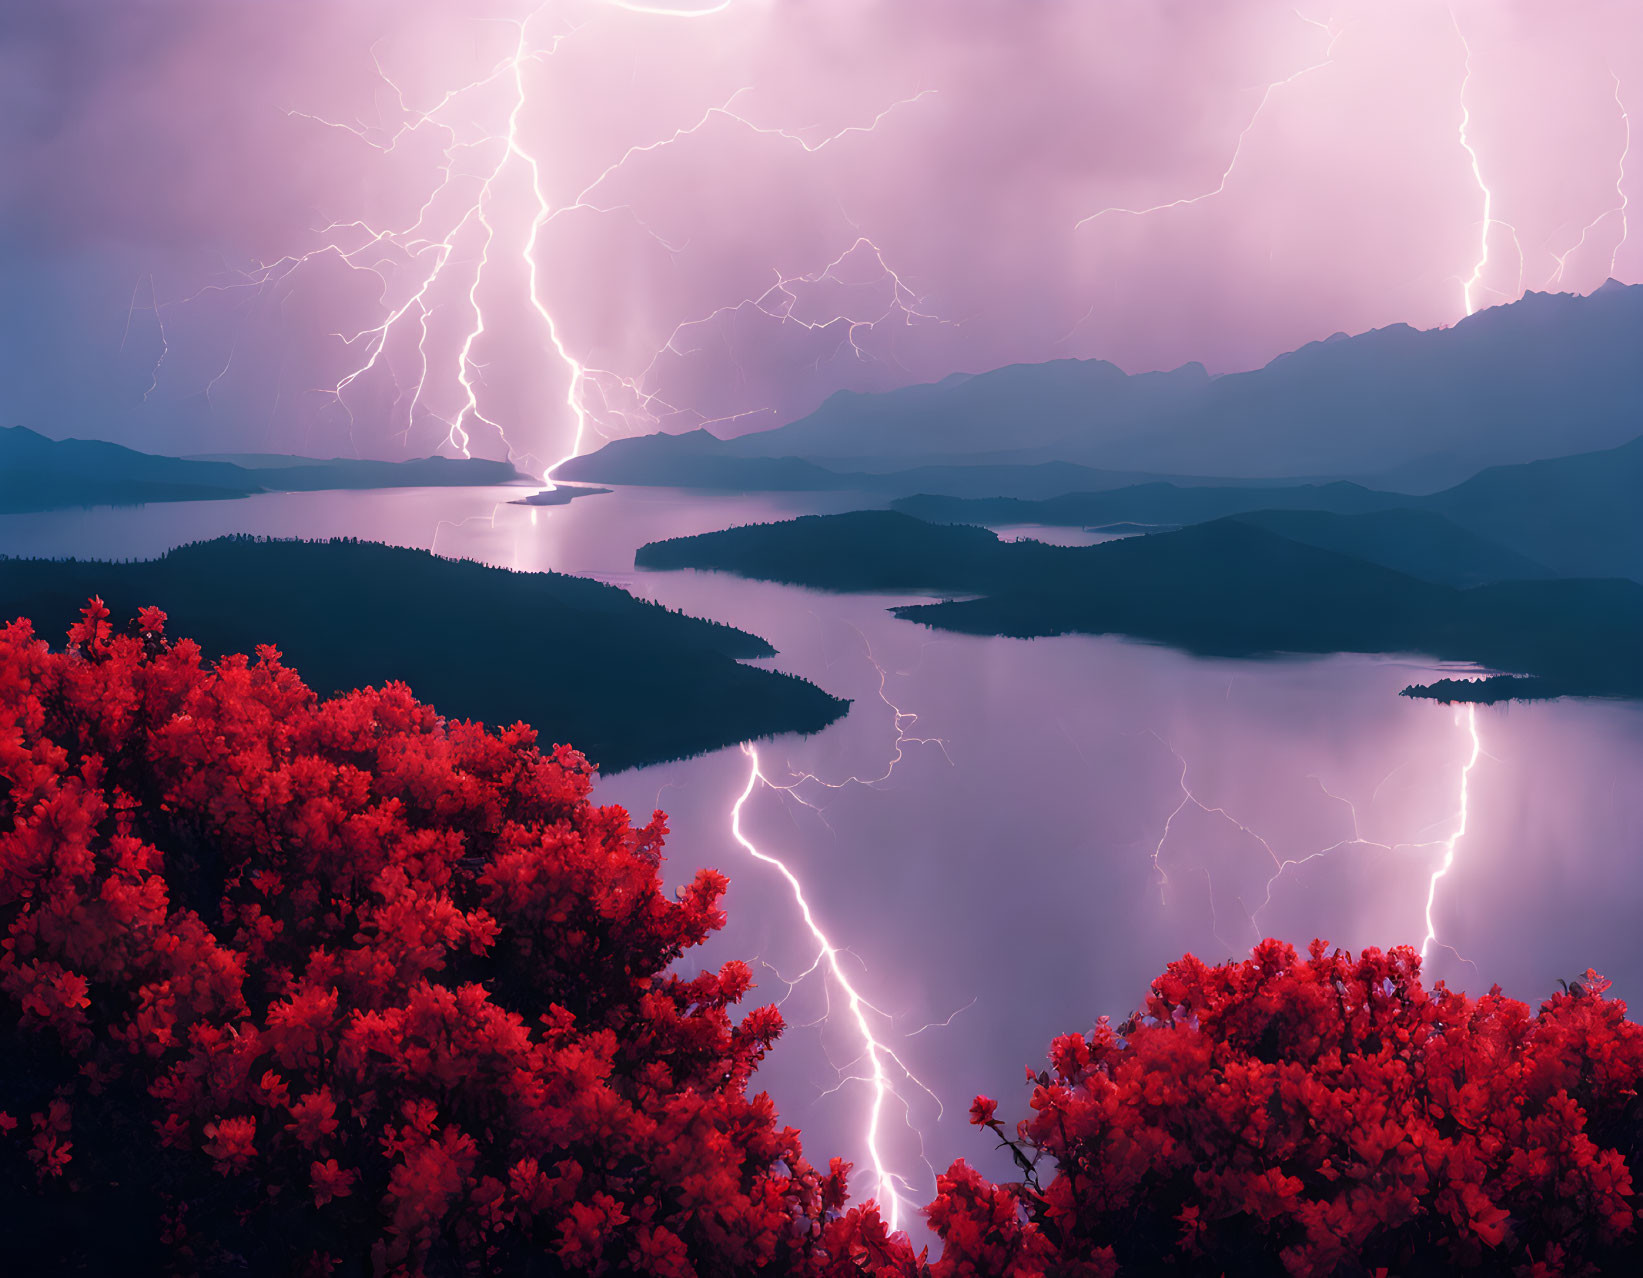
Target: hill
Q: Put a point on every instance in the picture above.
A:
(1580, 515)
(629, 682)
(39, 473)
(1577, 515)
(1229, 587)
(1421, 543)
(866, 550)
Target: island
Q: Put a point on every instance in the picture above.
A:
(1577, 515)
(1229, 587)
(559, 495)
(627, 681)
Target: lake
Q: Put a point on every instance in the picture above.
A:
(1005, 839)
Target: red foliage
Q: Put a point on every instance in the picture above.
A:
(1325, 1115)
(302, 986)
(294, 985)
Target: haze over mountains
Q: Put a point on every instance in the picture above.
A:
(1546, 376)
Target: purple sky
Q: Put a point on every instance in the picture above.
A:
(966, 149)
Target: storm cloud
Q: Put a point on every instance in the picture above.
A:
(962, 179)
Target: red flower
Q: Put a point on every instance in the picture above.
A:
(231, 1142)
(1315, 1116)
(330, 1181)
(314, 1117)
(245, 926)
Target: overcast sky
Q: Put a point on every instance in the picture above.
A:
(934, 170)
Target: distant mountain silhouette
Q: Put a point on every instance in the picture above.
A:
(39, 473)
(1545, 376)
(1148, 504)
(1580, 515)
(696, 459)
(626, 681)
(1032, 408)
(693, 459)
(1229, 587)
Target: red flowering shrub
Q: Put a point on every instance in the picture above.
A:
(1325, 1115)
(340, 987)
(292, 985)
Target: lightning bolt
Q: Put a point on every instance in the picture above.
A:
(780, 302)
(723, 111)
(884, 1069)
(882, 1062)
(455, 241)
(1187, 201)
(428, 254)
(902, 723)
(1471, 285)
(1447, 847)
(153, 308)
(1620, 207)
(1620, 183)
(1471, 716)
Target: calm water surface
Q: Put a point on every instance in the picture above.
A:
(1083, 811)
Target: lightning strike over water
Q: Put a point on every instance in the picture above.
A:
(879, 1057)
(884, 1068)
(535, 233)
(1446, 846)
(901, 722)
(463, 244)
(1449, 844)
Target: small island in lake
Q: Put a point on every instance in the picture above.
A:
(1234, 587)
(559, 495)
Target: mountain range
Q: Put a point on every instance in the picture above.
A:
(1575, 516)
(1546, 376)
